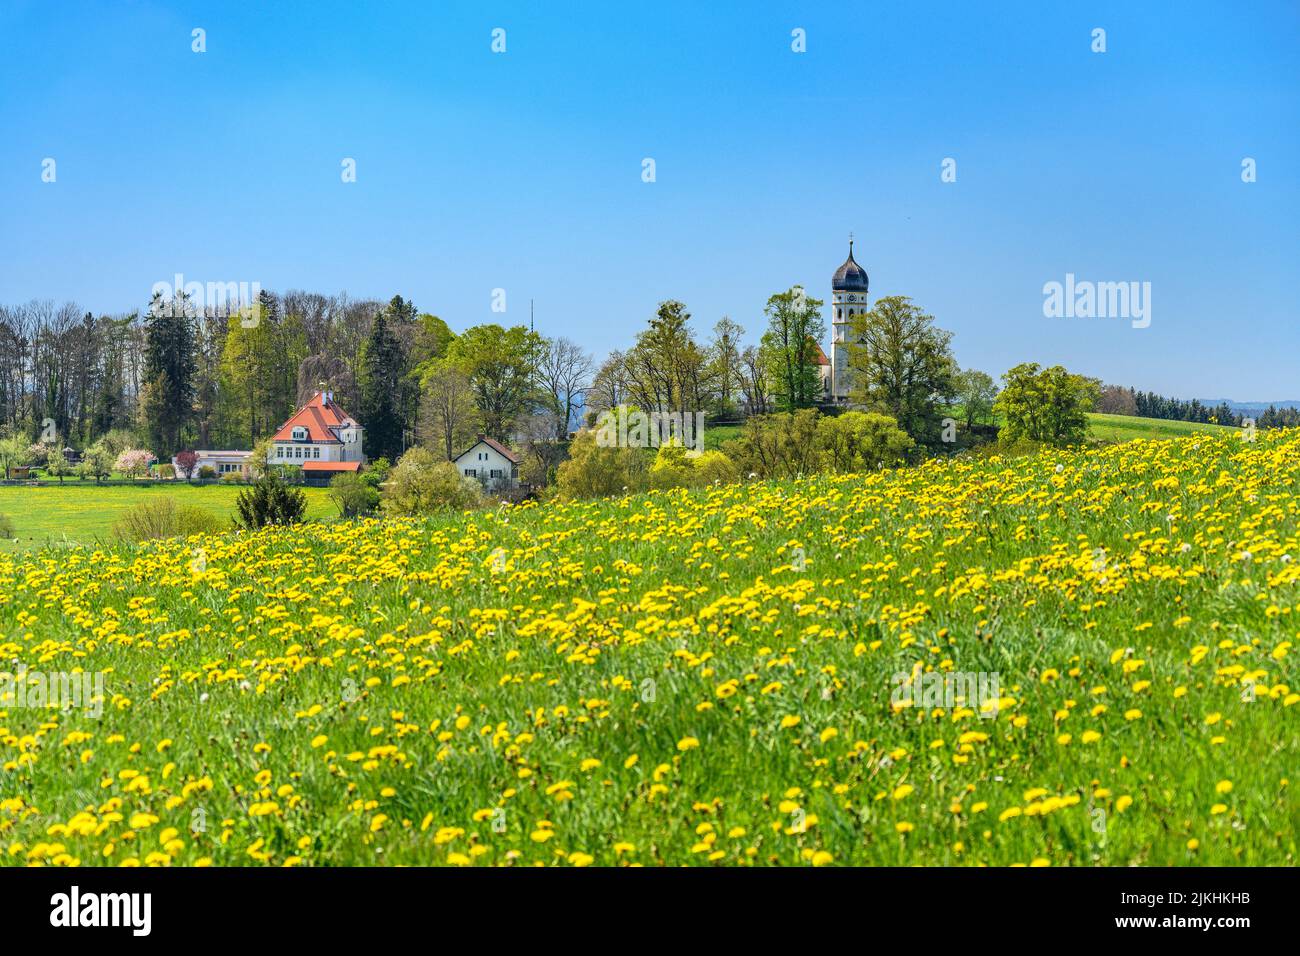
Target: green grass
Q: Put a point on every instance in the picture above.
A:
(84, 513)
(715, 435)
(1129, 427)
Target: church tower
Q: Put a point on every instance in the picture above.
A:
(848, 298)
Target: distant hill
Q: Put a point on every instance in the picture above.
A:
(1243, 407)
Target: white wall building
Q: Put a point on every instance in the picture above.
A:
(490, 462)
(321, 438)
(222, 463)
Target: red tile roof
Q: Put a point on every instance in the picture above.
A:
(322, 417)
(331, 466)
(820, 358)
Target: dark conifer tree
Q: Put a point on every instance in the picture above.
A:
(380, 376)
(169, 367)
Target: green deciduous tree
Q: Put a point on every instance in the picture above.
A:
(900, 363)
(594, 470)
(502, 367)
(1045, 405)
(421, 484)
(353, 495)
(258, 376)
(795, 327)
(97, 461)
(667, 370)
(861, 441)
(57, 463)
(674, 467)
(976, 391)
(726, 365)
(782, 445)
(448, 416)
(14, 450)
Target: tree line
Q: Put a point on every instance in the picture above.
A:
(174, 376)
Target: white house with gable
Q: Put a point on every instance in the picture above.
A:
(490, 462)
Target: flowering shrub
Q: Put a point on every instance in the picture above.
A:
(134, 462)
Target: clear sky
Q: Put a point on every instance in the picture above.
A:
(523, 170)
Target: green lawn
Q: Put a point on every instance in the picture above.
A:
(715, 435)
(84, 513)
(1127, 427)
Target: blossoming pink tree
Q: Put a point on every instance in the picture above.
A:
(134, 462)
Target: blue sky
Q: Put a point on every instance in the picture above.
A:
(522, 170)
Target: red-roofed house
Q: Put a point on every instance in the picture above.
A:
(321, 438)
(823, 369)
(491, 463)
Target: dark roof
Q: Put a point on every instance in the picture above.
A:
(849, 277)
(494, 445)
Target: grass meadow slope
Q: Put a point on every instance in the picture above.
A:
(704, 677)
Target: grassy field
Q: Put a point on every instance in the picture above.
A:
(84, 513)
(1105, 428)
(1127, 427)
(754, 674)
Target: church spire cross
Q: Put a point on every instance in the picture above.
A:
(850, 245)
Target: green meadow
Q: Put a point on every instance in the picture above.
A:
(1074, 658)
(79, 512)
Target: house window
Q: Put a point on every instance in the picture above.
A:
(299, 433)
(315, 452)
(471, 472)
(495, 473)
